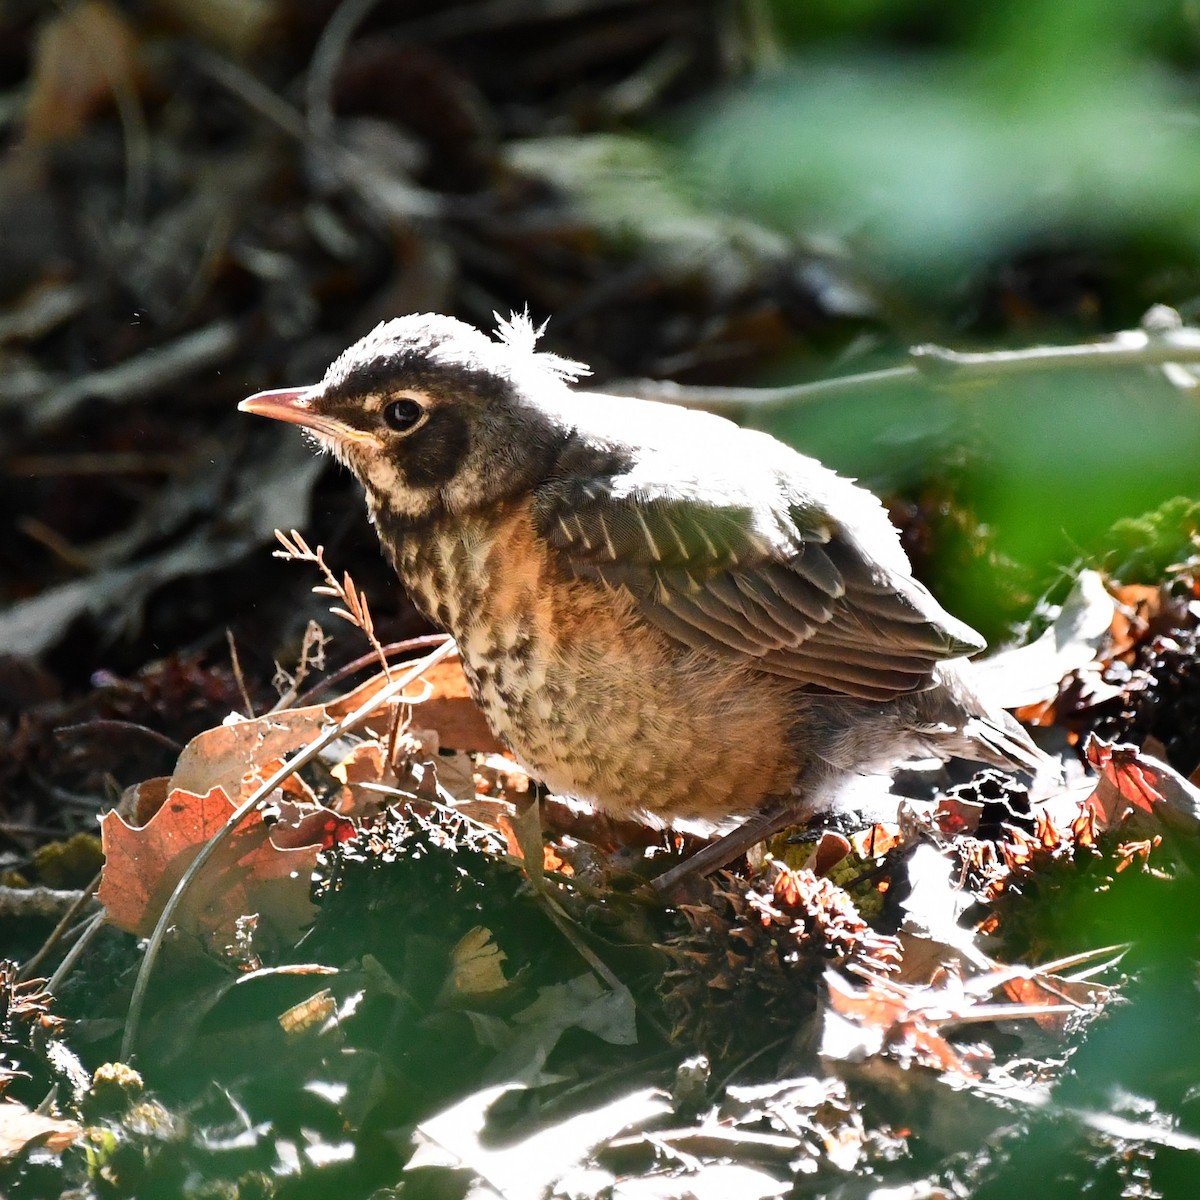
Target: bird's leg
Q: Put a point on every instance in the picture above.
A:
(737, 841)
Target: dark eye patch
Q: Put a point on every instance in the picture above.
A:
(434, 453)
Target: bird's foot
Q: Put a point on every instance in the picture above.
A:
(725, 849)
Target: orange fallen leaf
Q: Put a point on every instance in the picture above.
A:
(1134, 786)
(553, 861)
(447, 709)
(829, 851)
(239, 755)
(1130, 786)
(876, 841)
(364, 763)
(253, 871)
(248, 873)
(1032, 990)
(905, 1020)
(1138, 604)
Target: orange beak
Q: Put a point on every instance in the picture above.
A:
(294, 405)
(282, 404)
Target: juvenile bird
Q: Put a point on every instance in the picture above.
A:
(658, 611)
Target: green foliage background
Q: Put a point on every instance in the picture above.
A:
(918, 146)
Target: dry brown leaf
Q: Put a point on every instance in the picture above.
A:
(1133, 786)
(253, 871)
(299, 825)
(827, 853)
(476, 968)
(448, 710)
(240, 755)
(85, 56)
(365, 763)
(904, 1019)
(1139, 605)
(954, 815)
(141, 801)
(249, 873)
(22, 1128)
(1032, 989)
(924, 959)
(234, 26)
(1123, 787)
(876, 841)
(553, 861)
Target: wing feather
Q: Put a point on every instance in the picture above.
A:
(712, 622)
(774, 580)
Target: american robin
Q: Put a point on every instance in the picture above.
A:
(657, 610)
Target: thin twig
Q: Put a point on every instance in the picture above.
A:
(312, 657)
(20, 903)
(398, 721)
(389, 196)
(487, 15)
(326, 57)
(265, 789)
(64, 923)
(109, 725)
(715, 1089)
(598, 966)
(741, 399)
(146, 373)
(1162, 341)
(236, 665)
(18, 830)
(365, 660)
(118, 462)
(82, 942)
(65, 551)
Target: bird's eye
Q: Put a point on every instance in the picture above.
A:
(402, 415)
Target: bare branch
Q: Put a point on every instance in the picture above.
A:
(1162, 341)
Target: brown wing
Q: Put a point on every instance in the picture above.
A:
(780, 584)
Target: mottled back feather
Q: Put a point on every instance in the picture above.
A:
(755, 574)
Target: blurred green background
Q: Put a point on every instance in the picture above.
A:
(919, 146)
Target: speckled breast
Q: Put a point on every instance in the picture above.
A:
(591, 699)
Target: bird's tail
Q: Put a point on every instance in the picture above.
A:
(998, 739)
(970, 727)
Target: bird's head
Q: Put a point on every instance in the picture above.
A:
(433, 416)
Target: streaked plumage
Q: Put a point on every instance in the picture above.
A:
(657, 610)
